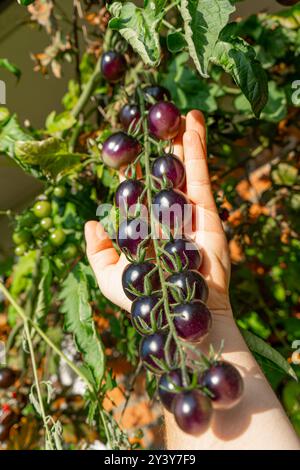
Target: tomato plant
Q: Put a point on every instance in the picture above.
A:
(130, 85)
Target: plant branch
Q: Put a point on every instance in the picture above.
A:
(149, 185)
(87, 90)
(43, 335)
(37, 384)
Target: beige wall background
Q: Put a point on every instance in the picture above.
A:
(33, 97)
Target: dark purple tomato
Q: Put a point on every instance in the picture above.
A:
(287, 3)
(187, 251)
(164, 120)
(189, 279)
(154, 346)
(113, 66)
(172, 208)
(225, 383)
(120, 149)
(192, 320)
(131, 233)
(130, 113)
(224, 214)
(134, 275)
(192, 412)
(7, 377)
(171, 168)
(157, 93)
(128, 194)
(166, 387)
(141, 310)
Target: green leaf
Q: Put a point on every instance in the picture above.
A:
(7, 65)
(203, 23)
(187, 89)
(276, 107)
(259, 346)
(50, 156)
(139, 26)
(57, 123)
(175, 41)
(10, 133)
(21, 280)
(44, 293)
(285, 175)
(75, 297)
(254, 322)
(238, 59)
(291, 397)
(71, 97)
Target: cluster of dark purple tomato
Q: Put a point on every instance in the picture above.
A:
(188, 394)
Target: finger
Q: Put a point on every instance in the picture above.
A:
(99, 248)
(107, 265)
(197, 176)
(195, 121)
(177, 144)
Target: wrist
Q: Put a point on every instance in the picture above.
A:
(224, 331)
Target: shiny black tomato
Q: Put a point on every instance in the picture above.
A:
(129, 116)
(113, 66)
(153, 347)
(171, 208)
(167, 387)
(188, 280)
(7, 377)
(128, 194)
(187, 251)
(192, 320)
(120, 149)
(141, 310)
(131, 233)
(134, 275)
(193, 412)
(225, 383)
(164, 120)
(170, 168)
(156, 93)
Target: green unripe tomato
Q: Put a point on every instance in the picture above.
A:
(59, 191)
(20, 250)
(46, 223)
(21, 236)
(42, 209)
(58, 237)
(25, 3)
(70, 251)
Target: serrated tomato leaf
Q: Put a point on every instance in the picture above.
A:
(50, 157)
(238, 59)
(78, 320)
(44, 291)
(203, 23)
(139, 26)
(10, 133)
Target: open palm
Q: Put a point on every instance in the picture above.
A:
(108, 266)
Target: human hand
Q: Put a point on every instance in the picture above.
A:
(108, 266)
